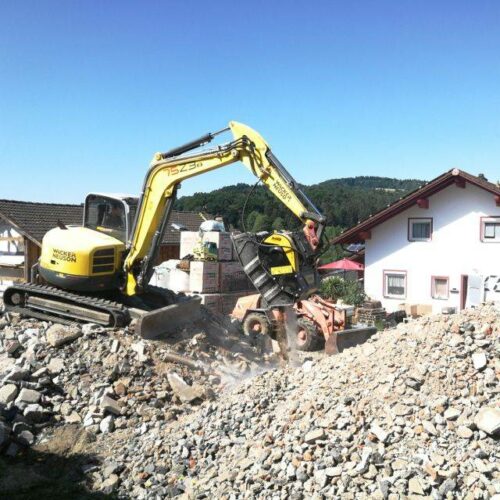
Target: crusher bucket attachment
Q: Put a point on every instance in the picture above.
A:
(257, 259)
(269, 267)
(170, 320)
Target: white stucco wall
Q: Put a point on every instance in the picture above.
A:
(456, 248)
(10, 247)
(11, 252)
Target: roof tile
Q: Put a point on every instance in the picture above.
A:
(33, 219)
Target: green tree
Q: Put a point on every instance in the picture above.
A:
(250, 222)
(344, 202)
(334, 252)
(262, 223)
(350, 291)
(278, 224)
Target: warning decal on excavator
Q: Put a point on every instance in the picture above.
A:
(281, 270)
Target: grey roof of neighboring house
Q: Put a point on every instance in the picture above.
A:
(190, 220)
(33, 219)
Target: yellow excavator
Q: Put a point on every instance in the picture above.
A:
(99, 272)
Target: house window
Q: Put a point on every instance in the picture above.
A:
(490, 229)
(395, 284)
(419, 229)
(440, 287)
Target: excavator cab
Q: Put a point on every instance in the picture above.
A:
(110, 214)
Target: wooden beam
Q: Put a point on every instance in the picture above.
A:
(423, 202)
(497, 200)
(11, 238)
(365, 235)
(11, 272)
(31, 254)
(26, 259)
(19, 230)
(459, 182)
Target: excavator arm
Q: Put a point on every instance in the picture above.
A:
(282, 265)
(169, 169)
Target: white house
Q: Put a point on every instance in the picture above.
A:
(439, 246)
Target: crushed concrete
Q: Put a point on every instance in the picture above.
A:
(415, 415)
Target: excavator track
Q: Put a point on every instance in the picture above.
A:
(53, 304)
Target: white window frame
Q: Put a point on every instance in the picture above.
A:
(494, 219)
(419, 220)
(386, 284)
(433, 287)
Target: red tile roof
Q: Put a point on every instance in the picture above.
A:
(353, 235)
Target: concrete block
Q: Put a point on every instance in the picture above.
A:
(232, 278)
(223, 242)
(212, 301)
(189, 240)
(204, 277)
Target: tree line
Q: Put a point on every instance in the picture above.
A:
(344, 202)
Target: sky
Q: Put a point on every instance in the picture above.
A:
(90, 90)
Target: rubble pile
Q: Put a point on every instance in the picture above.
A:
(107, 379)
(412, 413)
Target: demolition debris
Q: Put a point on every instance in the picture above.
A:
(414, 412)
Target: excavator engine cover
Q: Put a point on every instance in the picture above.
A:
(279, 265)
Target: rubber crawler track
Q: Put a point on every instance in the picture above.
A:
(118, 312)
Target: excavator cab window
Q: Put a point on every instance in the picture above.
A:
(107, 215)
(132, 211)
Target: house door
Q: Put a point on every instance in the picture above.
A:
(463, 290)
(474, 291)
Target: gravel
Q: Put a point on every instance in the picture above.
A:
(414, 413)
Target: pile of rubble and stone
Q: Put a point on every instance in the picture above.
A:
(107, 379)
(412, 413)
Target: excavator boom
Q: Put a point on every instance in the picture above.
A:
(169, 169)
(281, 266)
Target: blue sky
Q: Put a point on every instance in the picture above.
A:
(90, 90)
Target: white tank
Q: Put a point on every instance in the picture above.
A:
(166, 275)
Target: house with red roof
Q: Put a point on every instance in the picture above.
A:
(437, 247)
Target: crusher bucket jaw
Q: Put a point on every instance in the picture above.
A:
(281, 266)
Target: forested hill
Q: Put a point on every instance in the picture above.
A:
(343, 201)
